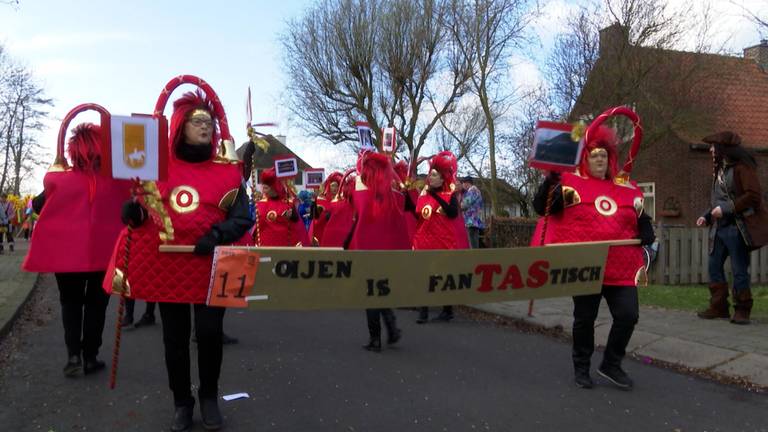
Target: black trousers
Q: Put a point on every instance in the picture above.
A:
(374, 322)
(7, 235)
(623, 304)
(130, 306)
(177, 330)
(83, 306)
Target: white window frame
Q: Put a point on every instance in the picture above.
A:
(649, 191)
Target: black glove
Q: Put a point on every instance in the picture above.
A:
(206, 243)
(133, 214)
(553, 177)
(645, 229)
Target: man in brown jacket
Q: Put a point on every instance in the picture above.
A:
(738, 224)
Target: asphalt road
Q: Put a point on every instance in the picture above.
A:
(306, 371)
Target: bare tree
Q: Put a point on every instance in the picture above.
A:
(22, 110)
(518, 144)
(485, 32)
(388, 62)
(631, 64)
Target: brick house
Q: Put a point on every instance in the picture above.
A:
(715, 93)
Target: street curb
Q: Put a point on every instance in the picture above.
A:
(6, 326)
(717, 371)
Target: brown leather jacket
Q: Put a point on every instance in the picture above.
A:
(749, 207)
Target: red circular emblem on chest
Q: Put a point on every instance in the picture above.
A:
(184, 199)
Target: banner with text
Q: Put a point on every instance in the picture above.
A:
(316, 278)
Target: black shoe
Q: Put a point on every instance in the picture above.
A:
(583, 380)
(92, 365)
(127, 321)
(209, 409)
(73, 367)
(228, 340)
(617, 376)
(11, 247)
(373, 345)
(145, 320)
(443, 317)
(394, 337)
(182, 418)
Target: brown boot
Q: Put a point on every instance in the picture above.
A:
(718, 302)
(742, 306)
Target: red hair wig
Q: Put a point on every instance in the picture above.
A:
(401, 169)
(84, 147)
(333, 177)
(605, 138)
(445, 164)
(269, 178)
(182, 108)
(377, 175)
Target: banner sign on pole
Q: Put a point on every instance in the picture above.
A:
(317, 278)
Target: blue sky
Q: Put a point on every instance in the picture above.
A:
(121, 54)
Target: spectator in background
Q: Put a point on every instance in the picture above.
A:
(471, 207)
(6, 229)
(305, 208)
(738, 223)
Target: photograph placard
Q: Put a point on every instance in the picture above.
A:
(314, 177)
(554, 148)
(389, 140)
(286, 166)
(365, 136)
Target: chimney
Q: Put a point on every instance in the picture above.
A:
(281, 138)
(613, 39)
(758, 53)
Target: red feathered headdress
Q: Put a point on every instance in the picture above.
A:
(182, 108)
(333, 177)
(605, 138)
(269, 178)
(84, 147)
(445, 164)
(378, 176)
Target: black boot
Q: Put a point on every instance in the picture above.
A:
(145, 320)
(73, 367)
(583, 380)
(92, 365)
(209, 410)
(373, 345)
(182, 418)
(228, 340)
(423, 315)
(390, 322)
(446, 315)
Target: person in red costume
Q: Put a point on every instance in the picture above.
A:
(78, 200)
(341, 213)
(595, 204)
(322, 205)
(277, 218)
(207, 206)
(379, 225)
(440, 223)
(411, 194)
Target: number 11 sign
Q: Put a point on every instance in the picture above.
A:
(233, 276)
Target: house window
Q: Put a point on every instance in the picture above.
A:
(649, 198)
